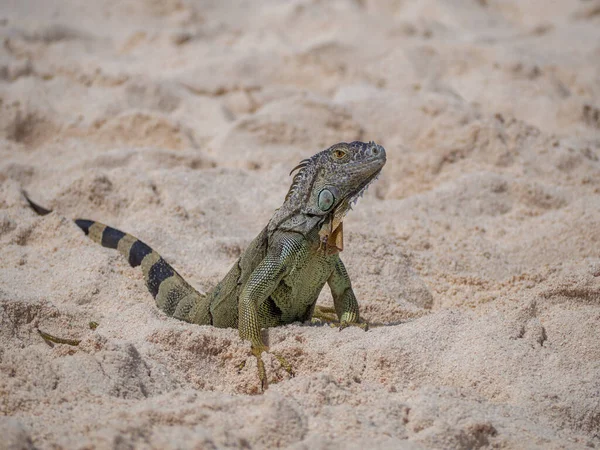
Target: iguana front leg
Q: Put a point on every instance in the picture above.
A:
(344, 300)
(254, 312)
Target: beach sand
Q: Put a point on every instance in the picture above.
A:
(477, 252)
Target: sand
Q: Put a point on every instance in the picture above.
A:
(477, 252)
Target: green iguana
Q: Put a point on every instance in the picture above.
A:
(278, 278)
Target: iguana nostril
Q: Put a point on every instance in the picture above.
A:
(375, 151)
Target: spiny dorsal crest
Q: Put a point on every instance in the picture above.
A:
(297, 178)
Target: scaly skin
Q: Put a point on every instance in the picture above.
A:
(278, 278)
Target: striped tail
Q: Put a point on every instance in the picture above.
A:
(172, 293)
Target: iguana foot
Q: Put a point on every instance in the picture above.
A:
(324, 314)
(362, 325)
(286, 365)
(262, 373)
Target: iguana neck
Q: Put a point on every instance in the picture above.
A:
(328, 228)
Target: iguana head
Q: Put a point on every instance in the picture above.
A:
(326, 185)
(333, 179)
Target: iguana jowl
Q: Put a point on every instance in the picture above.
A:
(278, 278)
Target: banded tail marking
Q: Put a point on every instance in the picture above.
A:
(172, 293)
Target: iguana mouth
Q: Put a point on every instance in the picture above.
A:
(376, 159)
(352, 199)
(347, 203)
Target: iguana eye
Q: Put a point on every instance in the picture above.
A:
(326, 200)
(339, 154)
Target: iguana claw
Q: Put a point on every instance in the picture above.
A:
(362, 325)
(262, 373)
(286, 365)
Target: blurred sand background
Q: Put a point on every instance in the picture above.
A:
(178, 121)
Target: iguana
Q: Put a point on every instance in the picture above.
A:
(278, 278)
